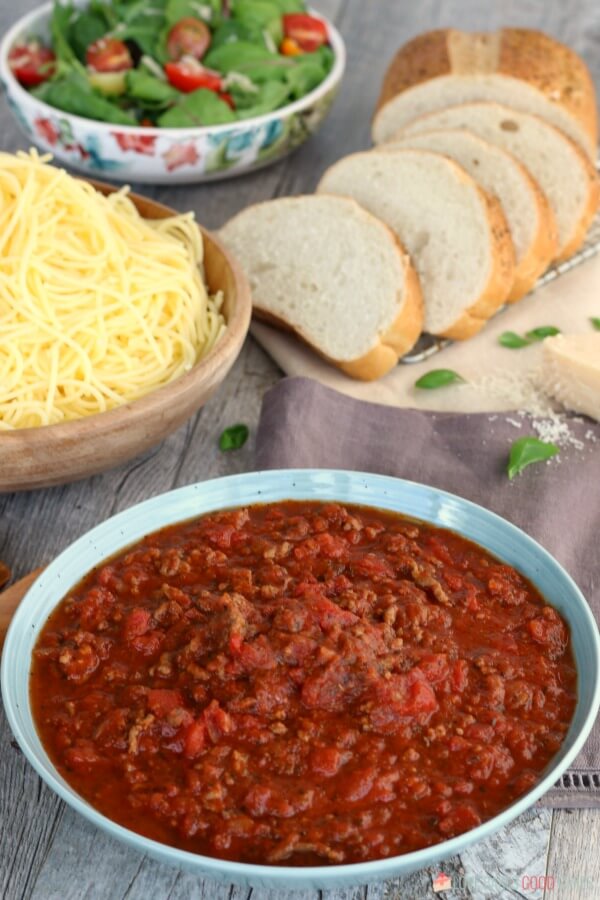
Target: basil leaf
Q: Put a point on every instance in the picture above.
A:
(544, 331)
(439, 378)
(595, 322)
(234, 437)
(201, 107)
(512, 340)
(528, 450)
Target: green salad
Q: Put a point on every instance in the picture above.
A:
(175, 63)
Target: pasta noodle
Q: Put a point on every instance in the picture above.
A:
(98, 306)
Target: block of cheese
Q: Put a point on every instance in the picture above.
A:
(571, 371)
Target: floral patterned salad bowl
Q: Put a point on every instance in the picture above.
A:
(152, 155)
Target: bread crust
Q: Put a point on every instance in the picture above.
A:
(400, 337)
(543, 247)
(549, 67)
(591, 207)
(501, 277)
(542, 250)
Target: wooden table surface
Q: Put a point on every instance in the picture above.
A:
(46, 850)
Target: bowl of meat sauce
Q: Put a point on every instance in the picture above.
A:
(302, 678)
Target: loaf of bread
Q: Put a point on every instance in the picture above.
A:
(329, 271)
(456, 234)
(560, 167)
(571, 371)
(528, 213)
(526, 70)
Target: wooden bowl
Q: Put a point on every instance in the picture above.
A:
(56, 454)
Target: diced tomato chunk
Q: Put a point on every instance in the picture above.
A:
(137, 622)
(162, 701)
(194, 739)
(326, 761)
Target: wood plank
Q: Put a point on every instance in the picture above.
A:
(573, 871)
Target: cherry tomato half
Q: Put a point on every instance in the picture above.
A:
(308, 32)
(31, 64)
(108, 55)
(188, 37)
(188, 75)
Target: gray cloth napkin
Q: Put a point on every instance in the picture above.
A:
(304, 424)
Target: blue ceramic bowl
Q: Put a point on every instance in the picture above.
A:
(490, 531)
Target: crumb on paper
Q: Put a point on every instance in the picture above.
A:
(514, 422)
(441, 882)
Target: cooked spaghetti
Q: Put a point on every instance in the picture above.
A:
(98, 306)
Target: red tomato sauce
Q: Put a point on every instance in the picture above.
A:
(303, 683)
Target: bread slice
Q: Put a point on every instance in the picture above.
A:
(528, 213)
(524, 69)
(456, 235)
(334, 274)
(562, 170)
(571, 371)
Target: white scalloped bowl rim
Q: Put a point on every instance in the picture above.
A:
(418, 501)
(20, 27)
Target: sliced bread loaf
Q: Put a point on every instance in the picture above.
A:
(524, 69)
(562, 170)
(571, 371)
(456, 234)
(528, 213)
(335, 275)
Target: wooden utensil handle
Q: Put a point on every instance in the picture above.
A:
(10, 599)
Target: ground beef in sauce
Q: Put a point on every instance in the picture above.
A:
(302, 683)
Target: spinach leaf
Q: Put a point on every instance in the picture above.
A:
(528, 450)
(544, 331)
(595, 322)
(74, 94)
(201, 107)
(307, 73)
(252, 60)
(232, 56)
(207, 10)
(234, 437)
(291, 6)
(439, 378)
(60, 24)
(512, 340)
(149, 90)
(271, 95)
(230, 32)
(86, 28)
(263, 14)
(141, 22)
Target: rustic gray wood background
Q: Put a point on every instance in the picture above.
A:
(46, 851)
